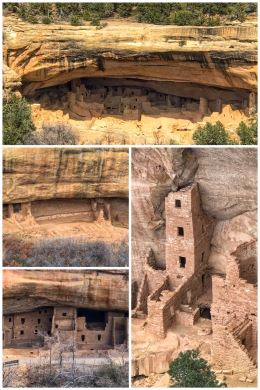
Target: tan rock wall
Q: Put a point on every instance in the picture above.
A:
(37, 174)
(87, 52)
(26, 290)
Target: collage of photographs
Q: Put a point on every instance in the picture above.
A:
(129, 192)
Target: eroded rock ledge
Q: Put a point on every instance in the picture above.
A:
(26, 290)
(55, 54)
(54, 173)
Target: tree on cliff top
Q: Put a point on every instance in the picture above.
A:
(17, 121)
(212, 135)
(189, 370)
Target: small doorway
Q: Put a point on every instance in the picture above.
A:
(205, 312)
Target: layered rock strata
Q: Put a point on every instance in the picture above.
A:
(55, 54)
(25, 290)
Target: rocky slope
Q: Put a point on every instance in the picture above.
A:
(228, 185)
(48, 55)
(38, 174)
(27, 290)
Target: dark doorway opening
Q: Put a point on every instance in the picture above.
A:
(17, 207)
(95, 319)
(180, 231)
(205, 312)
(177, 203)
(182, 262)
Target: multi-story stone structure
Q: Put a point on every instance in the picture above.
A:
(170, 296)
(186, 289)
(84, 99)
(76, 327)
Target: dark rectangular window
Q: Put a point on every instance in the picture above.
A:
(36, 331)
(64, 314)
(10, 319)
(82, 337)
(177, 203)
(202, 257)
(182, 261)
(21, 332)
(17, 207)
(39, 321)
(22, 320)
(180, 231)
(99, 337)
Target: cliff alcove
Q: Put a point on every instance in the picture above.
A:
(68, 197)
(132, 82)
(64, 320)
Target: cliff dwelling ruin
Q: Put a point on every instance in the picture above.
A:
(79, 328)
(186, 303)
(64, 321)
(129, 99)
(81, 195)
(134, 83)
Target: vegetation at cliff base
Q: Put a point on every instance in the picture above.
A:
(190, 370)
(212, 134)
(216, 134)
(53, 134)
(64, 252)
(69, 373)
(248, 133)
(17, 121)
(180, 14)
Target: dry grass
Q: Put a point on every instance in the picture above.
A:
(67, 252)
(42, 375)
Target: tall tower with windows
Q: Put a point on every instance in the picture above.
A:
(188, 234)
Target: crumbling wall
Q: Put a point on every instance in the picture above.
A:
(27, 328)
(234, 305)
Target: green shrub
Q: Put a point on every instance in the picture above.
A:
(46, 20)
(75, 20)
(95, 20)
(189, 370)
(212, 134)
(182, 43)
(124, 9)
(157, 13)
(17, 121)
(248, 133)
(32, 19)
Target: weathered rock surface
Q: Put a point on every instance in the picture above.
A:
(38, 174)
(48, 55)
(24, 290)
(228, 186)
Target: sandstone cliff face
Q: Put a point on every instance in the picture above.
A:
(228, 186)
(50, 55)
(24, 290)
(39, 174)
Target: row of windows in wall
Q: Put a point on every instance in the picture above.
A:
(49, 333)
(23, 320)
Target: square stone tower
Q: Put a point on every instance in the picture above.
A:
(188, 234)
